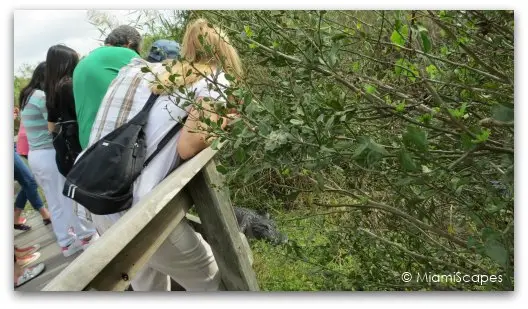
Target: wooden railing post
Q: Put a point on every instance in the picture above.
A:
(213, 205)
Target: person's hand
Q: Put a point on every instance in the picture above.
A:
(16, 113)
(232, 117)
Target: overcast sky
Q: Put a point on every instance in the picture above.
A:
(36, 30)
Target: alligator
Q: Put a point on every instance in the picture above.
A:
(258, 226)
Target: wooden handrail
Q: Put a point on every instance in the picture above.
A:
(112, 253)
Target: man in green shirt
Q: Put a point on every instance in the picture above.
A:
(95, 72)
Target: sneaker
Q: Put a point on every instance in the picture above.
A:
(28, 259)
(30, 274)
(71, 249)
(22, 227)
(21, 252)
(89, 240)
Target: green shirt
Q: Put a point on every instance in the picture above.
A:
(91, 79)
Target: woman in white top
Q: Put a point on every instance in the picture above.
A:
(184, 256)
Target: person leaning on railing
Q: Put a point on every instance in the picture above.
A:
(184, 255)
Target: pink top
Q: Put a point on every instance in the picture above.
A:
(22, 143)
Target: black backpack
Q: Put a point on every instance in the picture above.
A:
(66, 144)
(102, 179)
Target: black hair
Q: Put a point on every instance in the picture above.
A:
(60, 63)
(124, 36)
(36, 82)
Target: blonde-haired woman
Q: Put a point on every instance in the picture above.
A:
(206, 56)
(209, 56)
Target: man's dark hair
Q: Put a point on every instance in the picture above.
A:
(123, 36)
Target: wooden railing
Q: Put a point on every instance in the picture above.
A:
(111, 262)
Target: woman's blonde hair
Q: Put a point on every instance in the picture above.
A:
(204, 48)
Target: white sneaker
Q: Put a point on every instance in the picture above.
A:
(29, 274)
(71, 249)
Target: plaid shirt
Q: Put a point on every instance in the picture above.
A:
(126, 96)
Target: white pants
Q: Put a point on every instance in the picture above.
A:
(63, 216)
(184, 256)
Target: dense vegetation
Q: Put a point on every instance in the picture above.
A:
(392, 131)
(381, 140)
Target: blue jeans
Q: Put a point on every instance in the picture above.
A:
(29, 186)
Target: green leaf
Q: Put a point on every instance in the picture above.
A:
(400, 107)
(145, 69)
(239, 140)
(503, 113)
(247, 98)
(424, 35)
(444, 51)
(326, 149)
(362, 147)
(482, 136)
(369, 88)
(377, 148)
(398, 24)
(417, 137)
(221, 169)
(496, 251)
(189, 72)
(472, 242)
(329, 122)
(355, 66)
(460, 112)
(489, 235)
(296, 122)
(425, 169)
(275, 140)
(407, 161)
(248, 31)
(405, 68)
(229, 77)
(215, 143)
(466, 141)
(335, 104)
(339, 36)
(320, 181)
(432, 70)
(398, 37)
(332, 56)
(240, 154)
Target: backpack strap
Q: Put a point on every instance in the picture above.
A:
(150, 102)
(165, 140)
(142, 116)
